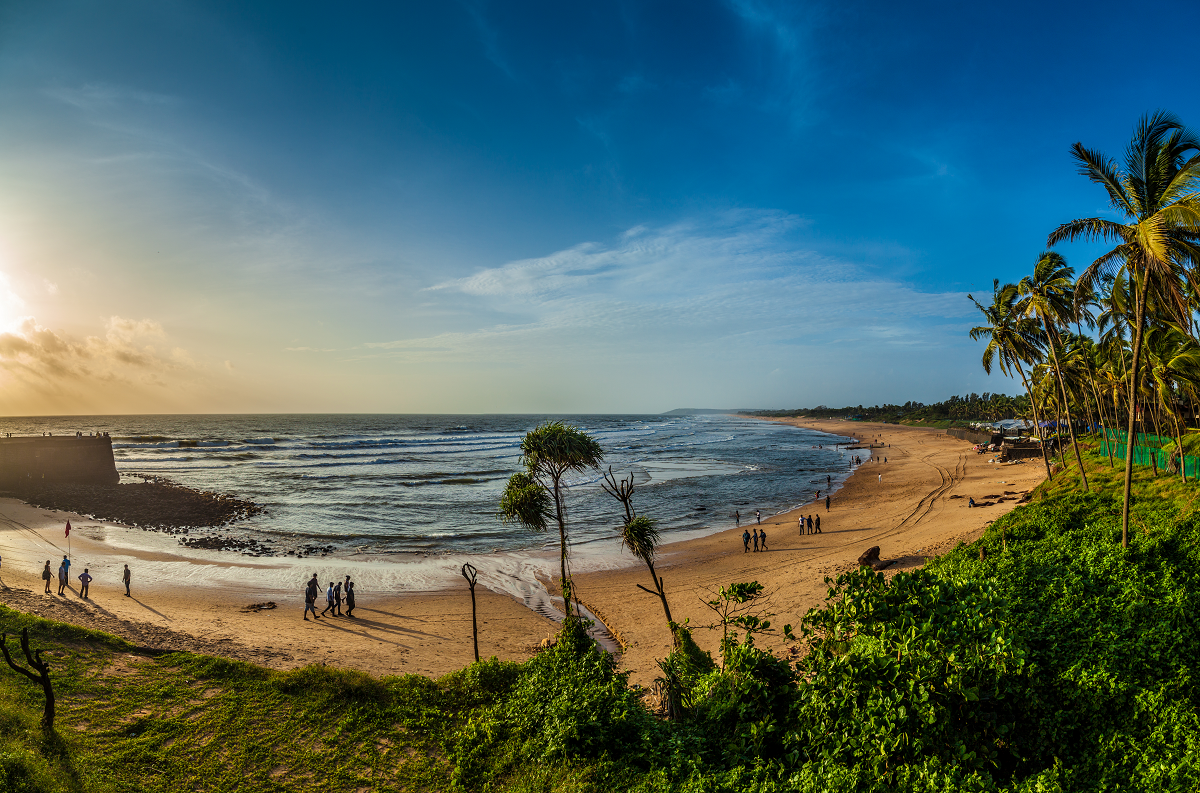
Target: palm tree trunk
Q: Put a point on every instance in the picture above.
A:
(562, 544)
(1066, 406)
(1179, 440)
(1103, 423)
(1139, 318)
(1036, 421)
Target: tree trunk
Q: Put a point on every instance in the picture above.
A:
(1066, 406)
(1139, 317)
(562, 542)
(1036, 421)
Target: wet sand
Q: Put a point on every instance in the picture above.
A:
(184, 602)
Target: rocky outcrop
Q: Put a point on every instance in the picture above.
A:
(870, 558)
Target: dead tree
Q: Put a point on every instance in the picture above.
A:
(42, 677)
(639, 535)
(469, 572)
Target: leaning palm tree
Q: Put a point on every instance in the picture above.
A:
(535, 496)
(1049, 296)
(1011, 339)
(640, 535)
(1157, 245)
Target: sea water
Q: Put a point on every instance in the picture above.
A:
(431, 484)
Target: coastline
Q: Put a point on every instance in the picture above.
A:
(196, 601)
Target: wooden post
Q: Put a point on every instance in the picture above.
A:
(469, 572)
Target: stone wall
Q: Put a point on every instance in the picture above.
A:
(83, 460)
(974, 436)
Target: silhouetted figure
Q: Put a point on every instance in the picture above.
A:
(350, 599)
(746, 542)
(125, 577)
(46, 576)
(85, 578)
(329, 604)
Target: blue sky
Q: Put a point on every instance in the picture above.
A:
(527, 207)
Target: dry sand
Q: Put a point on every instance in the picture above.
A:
(184, 603)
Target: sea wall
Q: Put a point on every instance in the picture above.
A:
(974, 436)
(80, 460)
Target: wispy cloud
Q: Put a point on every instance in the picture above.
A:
(739, 282)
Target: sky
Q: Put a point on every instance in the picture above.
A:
(536, 207)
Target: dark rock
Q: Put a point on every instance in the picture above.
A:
(870, 558)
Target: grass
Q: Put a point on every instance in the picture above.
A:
(1105, 479)
(132, 722)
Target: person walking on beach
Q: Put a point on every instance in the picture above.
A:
(125, 577)
(810, 525)
(337, 597)
(800, 520)
(46, 576)
(310, 598)
(85, 578)
(737, 518)
(328, 600)
(756, 539)
(762, 538)
(62, 579)
(350, 599)
(826, 503)
(818, 524)
(746, 541)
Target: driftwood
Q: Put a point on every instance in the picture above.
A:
(42, 677)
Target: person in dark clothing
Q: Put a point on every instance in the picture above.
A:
(125, 578)
(758, 516)
(337, 598)
(756, 539)
(810, 525)
(737, 518)
(310, 597)
(762, 538)
(350, 599)
(826, 503)
(46, 576)
(85, 578)
(329, 603)
(746, 541)
(818, 524)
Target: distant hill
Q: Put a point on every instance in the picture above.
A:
(698, 411)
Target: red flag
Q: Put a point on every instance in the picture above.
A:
(68, 532)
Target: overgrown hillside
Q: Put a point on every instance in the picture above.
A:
(1058, 662)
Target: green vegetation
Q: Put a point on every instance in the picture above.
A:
(955, 411)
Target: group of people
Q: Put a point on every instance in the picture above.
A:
(85, 578)
(335, 595)
(807, 522)
(759, 537)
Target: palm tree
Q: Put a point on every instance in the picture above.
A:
(1157, 245)
(1011, 339)
(535, 496)
(640, 535)
(1049, 295)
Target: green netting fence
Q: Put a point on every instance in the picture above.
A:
(1146, 445)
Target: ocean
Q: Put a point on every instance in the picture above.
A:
(430, 484)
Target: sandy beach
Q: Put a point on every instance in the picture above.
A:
(913, 506)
